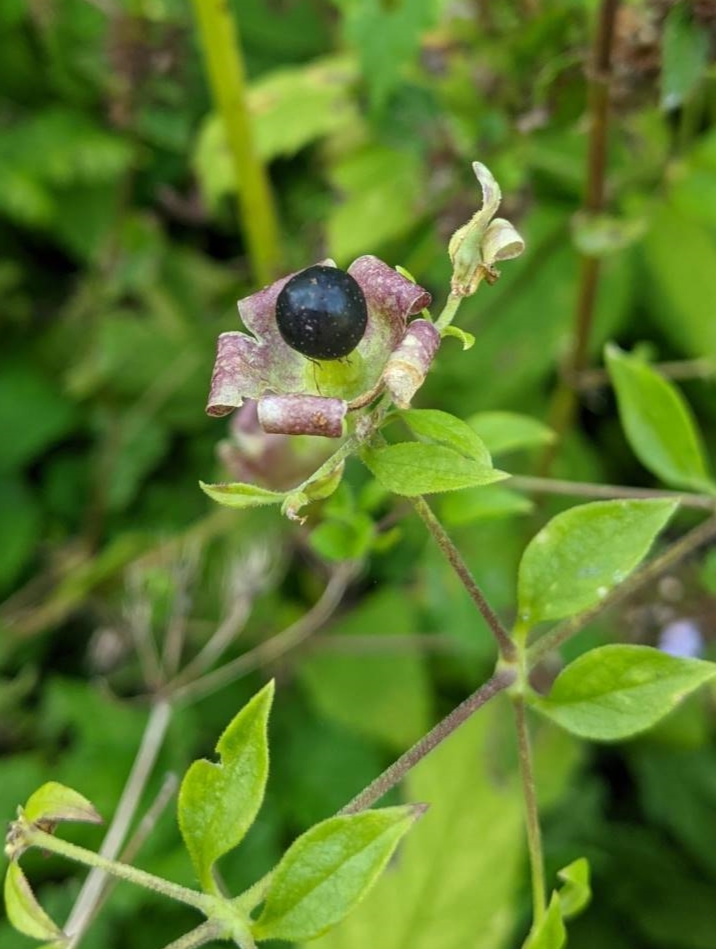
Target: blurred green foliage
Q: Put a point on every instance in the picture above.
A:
(121, 260)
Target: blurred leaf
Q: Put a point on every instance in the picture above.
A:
(387, 36)
(508, 431)
(219, 802)
(327, 872)
(380, 189)
(140, 444)
(658, 423)
(597, 235)
(411, 468)
(459, 868)
(386, 697)
(614, 691)
(680, 256)
(20, 528)
(685, 52)
(582, 553)
(480, 504)
(348, 539)
(33, 414)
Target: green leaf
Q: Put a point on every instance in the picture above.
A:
(658, 423)
(467, 339)
(509, 431)
(550, 932)
(480, 504)
(20, 527)
(411, 468)
(576, 892)
(685, 52)
(446, 429)
(614, 692)
(55, 802)
(582, 553)
(33, 414)
(23, 910)
(346, 539)
(218, 802)
(239, 495)
(328, 870)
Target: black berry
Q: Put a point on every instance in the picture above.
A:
(321, 313)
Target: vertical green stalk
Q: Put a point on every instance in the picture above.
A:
(534, 834)
(227, 77)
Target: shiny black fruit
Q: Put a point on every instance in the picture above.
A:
(321, 313)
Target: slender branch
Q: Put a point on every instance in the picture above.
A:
(52, 844)
(534, 834)
(565, 400)
(218, 642)
(556, 637)
(388, 643)
(584, 489)
(700, 368)
(152, 740)
(273, 648)
(449, 311)
(454, 557)
(227, 76)
(200, 936)
(394, 774)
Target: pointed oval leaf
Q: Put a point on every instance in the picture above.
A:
(614, 692)
(576, 892)
(510, 431)
(658, 423)
(411, 468)
(218, 802)
(549, 933)
(576, 559)
(446, 429)
(23, 910)
(238, 495)
(328, 870)
(55, 802)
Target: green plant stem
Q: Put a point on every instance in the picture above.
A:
(207, 932)
(454, 558)
(534, 834)
(449, 311)
(585, 489)
(706, 531)
(48, 842)
(564, 403)
(227, 76)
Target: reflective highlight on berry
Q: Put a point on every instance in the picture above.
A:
(321, 313)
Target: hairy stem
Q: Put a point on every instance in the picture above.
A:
(91, 892)
(565, 400)
(227, 76)
(207, 932)
(556, 637)
(394, 774)
(584, 489)
(449, 311)
(454, 558)
(534, 834)
(48, 842)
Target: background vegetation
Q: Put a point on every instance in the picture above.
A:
(120, 261)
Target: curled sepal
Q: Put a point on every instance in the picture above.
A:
(315, 488)
(409, 363)
(54, 802)
(239, 495)
(302, 415)
(327, 871)
(478, 245)
(25, 913)
(219, 802)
